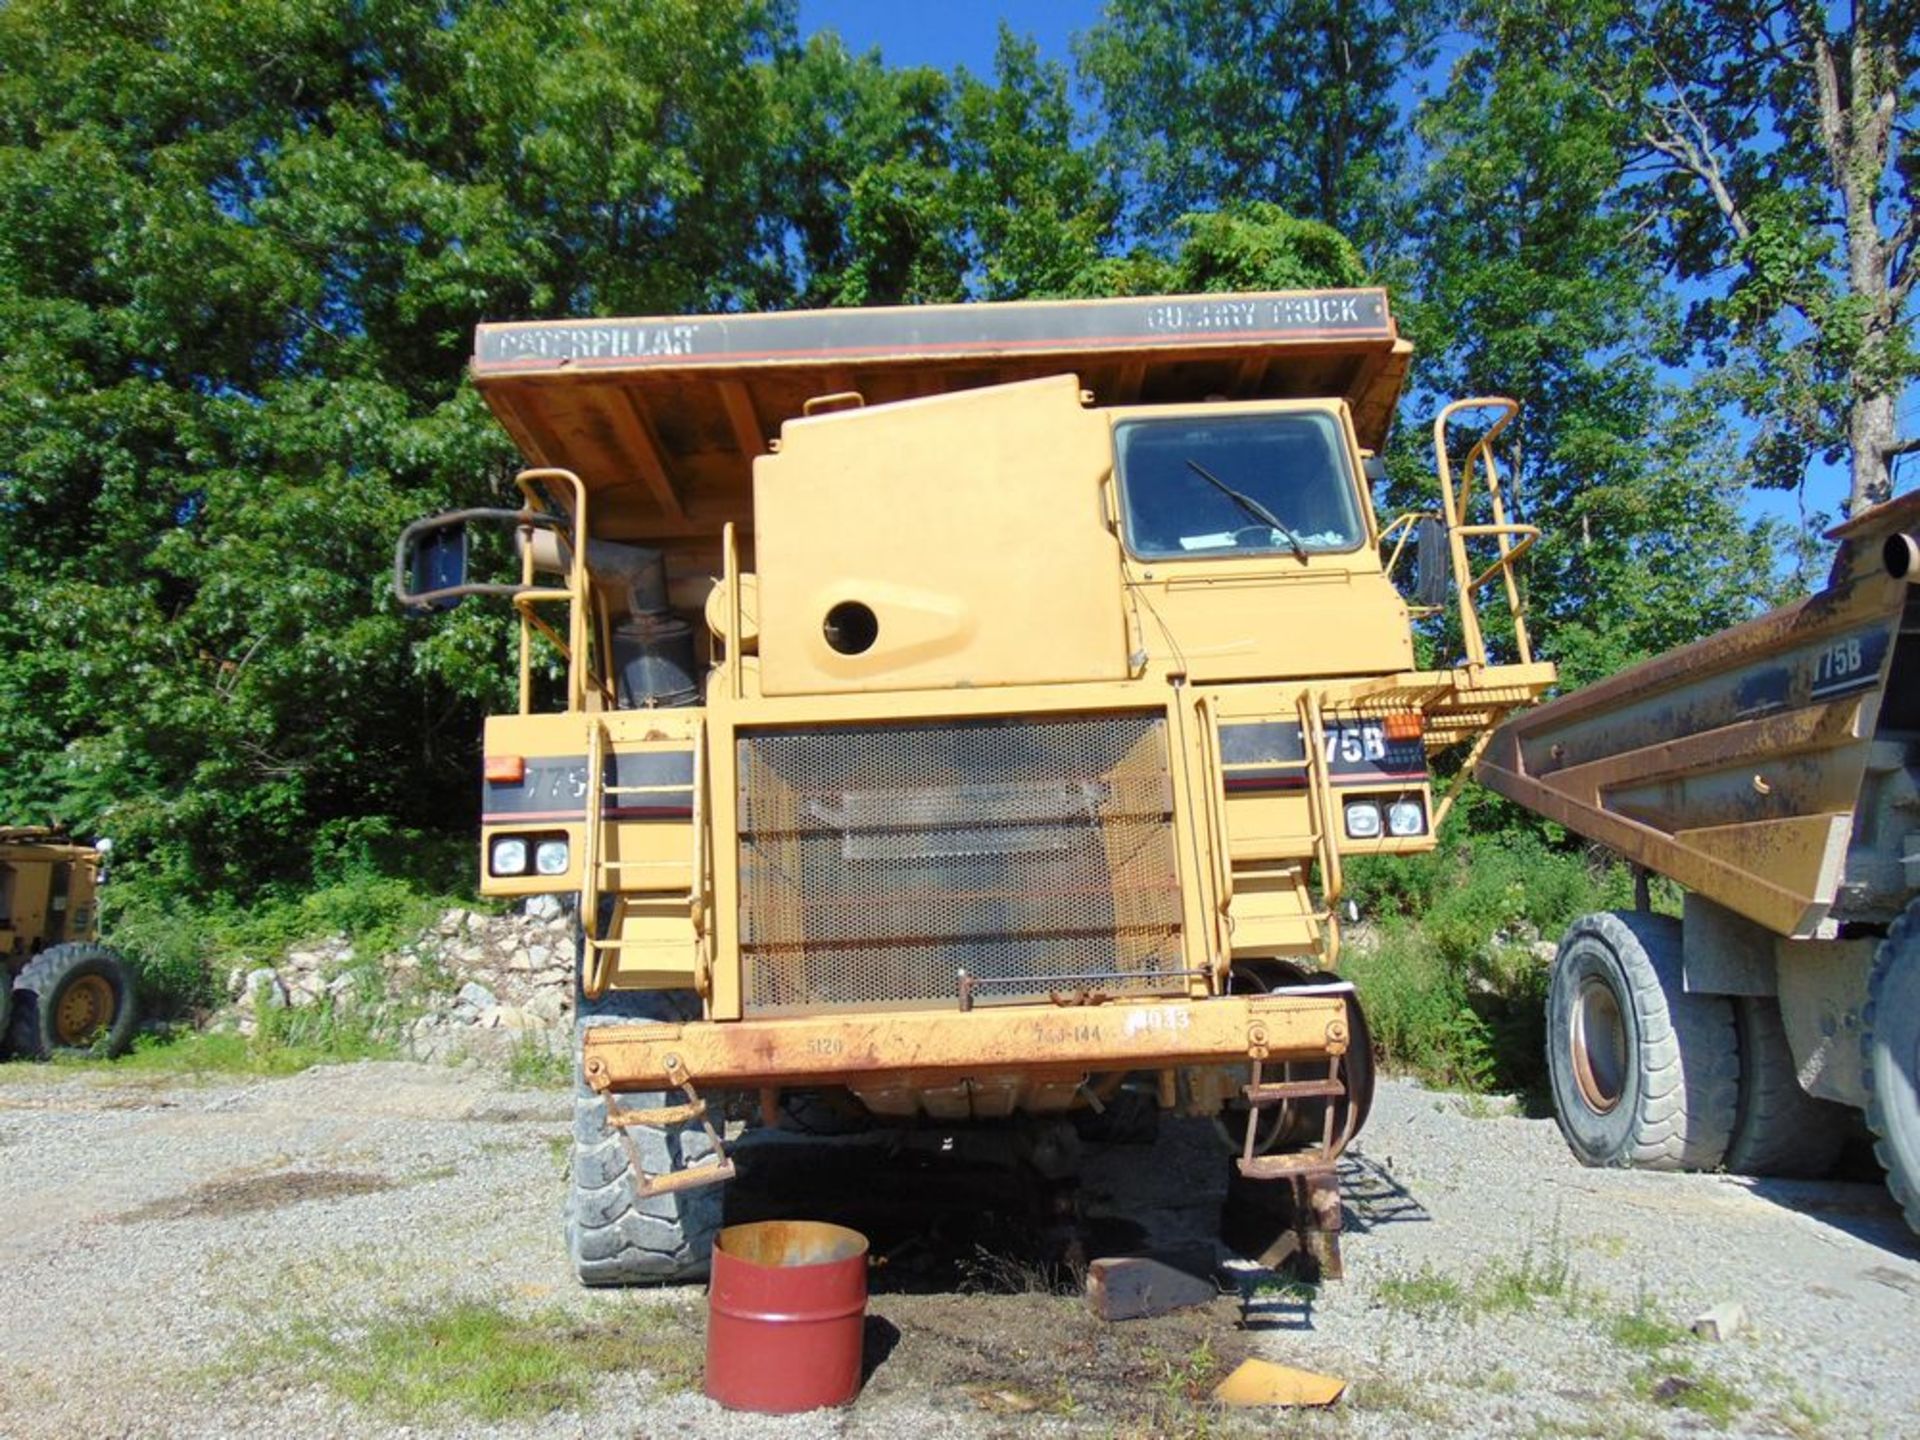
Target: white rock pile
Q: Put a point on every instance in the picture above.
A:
(472, 983)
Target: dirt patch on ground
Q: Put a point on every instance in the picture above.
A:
(219, 1199)
(1048, 1354)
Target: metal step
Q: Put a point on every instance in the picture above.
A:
(1278, 1090)
(1282, 1167)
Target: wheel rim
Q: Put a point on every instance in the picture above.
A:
(1599, 1045)
(84, 1009)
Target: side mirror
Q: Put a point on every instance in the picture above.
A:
(440, 563)
(1432, 564)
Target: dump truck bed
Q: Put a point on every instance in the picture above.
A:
(663, 416)
(1760, 767)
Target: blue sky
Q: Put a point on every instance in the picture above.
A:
(950, 33)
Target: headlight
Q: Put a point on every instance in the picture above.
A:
(550, 857)
(509, 857)
(1363, 820)
(1406, 817)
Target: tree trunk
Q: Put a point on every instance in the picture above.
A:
(1870, 434)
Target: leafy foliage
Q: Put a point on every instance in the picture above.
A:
(243, 247)
(1212, 103)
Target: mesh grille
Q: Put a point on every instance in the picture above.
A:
(876, 862)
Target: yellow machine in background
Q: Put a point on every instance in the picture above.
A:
(59, 988)
(966, 709)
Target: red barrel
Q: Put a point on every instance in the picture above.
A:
(786, 1310)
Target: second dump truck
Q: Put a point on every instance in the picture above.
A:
(1773, 771)
(959, 714)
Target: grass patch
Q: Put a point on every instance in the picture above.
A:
(1644, 1329)
(1387, 1395)
(284, 1042)
(180, 950)
(1500, 1286)
(1505, 1286)
(1805, 1418)
(484, 1361)
(536, 1063)
(1680, 1385)
(1425, 1293)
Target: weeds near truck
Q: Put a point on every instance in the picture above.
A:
(284, 1043)
(487, 1362)
(1500, 1286)
(1643, 1328)
(536, 1063)
(1680, 1385)
(1452, 986)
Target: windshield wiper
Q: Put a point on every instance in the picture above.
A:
(1252, 506)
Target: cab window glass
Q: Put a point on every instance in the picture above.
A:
(1242, 485)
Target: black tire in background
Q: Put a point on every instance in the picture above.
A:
(1779, 1128)
(614, 1237)
(1891, 1051)
(6, 1007)
(1303, 1122)
(1643, 1074)
(74, 998)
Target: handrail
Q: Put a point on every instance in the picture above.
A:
(1213, 772)
(1456, 501)
(576, 594)
(697, 903)
(730, 578)
(593, 978)
(1333, 878)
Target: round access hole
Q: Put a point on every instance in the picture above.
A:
(851, 628)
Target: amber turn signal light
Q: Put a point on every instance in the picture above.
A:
(1405, 725)
(506, 769)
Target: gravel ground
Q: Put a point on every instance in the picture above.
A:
(170, 1250)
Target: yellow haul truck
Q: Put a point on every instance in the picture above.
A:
(60, 989)
(961, 711)
(1773, 770)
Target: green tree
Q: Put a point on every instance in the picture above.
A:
(242, 250)
(1774, 149)
(1207, 103)
(1537, 280)
(1035, 209)
(861, 178)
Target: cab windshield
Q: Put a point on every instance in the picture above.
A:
(1244, 485)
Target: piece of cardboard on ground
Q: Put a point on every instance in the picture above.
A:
(1261, 1382)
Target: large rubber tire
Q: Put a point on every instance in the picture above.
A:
(613, 1236)
(1779, 1129)
(67, 985)
(6, 1007)
(1891, 1051)
(1643, 1074)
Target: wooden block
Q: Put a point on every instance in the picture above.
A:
(1722, 1322)
(1135, 1286)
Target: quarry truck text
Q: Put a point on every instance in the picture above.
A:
(963, 714)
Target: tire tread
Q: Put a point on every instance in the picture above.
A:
(1687, 1059)
(1901, 948)
(613, 1235)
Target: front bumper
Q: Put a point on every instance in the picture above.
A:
(938, 1047)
